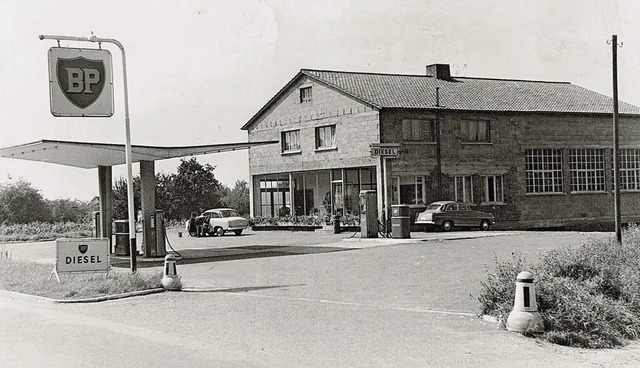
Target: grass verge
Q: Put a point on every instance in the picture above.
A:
(33, 278)
(588, 296)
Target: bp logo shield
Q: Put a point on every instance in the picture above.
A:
(83, 248)
(81, 80)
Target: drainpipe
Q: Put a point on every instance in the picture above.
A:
(438, 146)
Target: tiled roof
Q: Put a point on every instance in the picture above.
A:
(471, 94)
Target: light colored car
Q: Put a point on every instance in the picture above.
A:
(217, 221)
(450, 214)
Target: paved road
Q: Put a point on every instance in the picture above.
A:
(409, 303)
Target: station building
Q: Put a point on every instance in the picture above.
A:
(536, 154)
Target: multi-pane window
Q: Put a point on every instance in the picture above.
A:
(475, 130)
(415, 130)
(629, 169)
(326, 136)
(543, 168)
(305, 94)
(587, 169)
(291, 141)
(493, 189)
(464, 188)
(274, 195)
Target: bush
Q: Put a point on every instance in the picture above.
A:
(588, 296)
(34, 231)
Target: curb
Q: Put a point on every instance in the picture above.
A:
(91, 300)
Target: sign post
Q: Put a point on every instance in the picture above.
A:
(385, 151)
(90, 78)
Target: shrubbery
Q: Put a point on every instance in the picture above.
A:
(588, 296)
(34, 231)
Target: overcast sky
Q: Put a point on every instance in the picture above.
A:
(198, 70)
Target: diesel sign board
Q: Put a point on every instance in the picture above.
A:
(80, 82)
(82, 255)
(385, 150)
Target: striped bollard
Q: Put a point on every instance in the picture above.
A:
(525, 316)
(170, 278)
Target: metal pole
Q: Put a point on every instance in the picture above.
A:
(128, 154)
(616, 141)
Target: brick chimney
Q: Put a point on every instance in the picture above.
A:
(439, 71)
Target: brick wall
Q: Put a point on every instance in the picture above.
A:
(505, 155)
(356, 127)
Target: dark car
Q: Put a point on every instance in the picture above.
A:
(449, 214)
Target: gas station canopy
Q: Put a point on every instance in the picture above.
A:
(92, 155)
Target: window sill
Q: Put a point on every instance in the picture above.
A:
(488, 204)
(588, 192)
(419, 142)
(464, 143)
(323, 149)
(292, 152)
(545, 194)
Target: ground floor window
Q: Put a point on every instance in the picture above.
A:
(629, 169)
(543, 168)
(275, 196)
(314, 193)
(493, 189)
(408, 190)
(463, 188)
(587, 170)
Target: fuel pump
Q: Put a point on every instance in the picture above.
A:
(156, 223)
(368, 214)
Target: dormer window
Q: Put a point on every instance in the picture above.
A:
(305, 94)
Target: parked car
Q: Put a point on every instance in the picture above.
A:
(216, 221)
(450, 214)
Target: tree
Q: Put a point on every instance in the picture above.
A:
(67, 210)
(120, 198)
(238, 197)
(21, 203)
(195, 188)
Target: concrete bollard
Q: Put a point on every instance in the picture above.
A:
(170, 278)
(525, 316)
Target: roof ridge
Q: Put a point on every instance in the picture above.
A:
(428, 76)
(515, 80)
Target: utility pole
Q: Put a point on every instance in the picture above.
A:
(616, 141)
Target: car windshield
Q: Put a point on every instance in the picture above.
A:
(229, 213)
(434, 206)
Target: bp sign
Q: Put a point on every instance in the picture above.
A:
(80, 82)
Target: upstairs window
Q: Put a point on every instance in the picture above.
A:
(476, 131)
(415, 130)
(305, 94)
(291, 141)
(326, 137)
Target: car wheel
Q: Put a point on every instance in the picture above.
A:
(485, 225)
(238, 232)
(218, 231)
(193, 234)
(447, 225)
